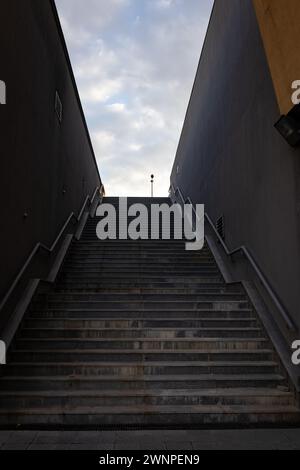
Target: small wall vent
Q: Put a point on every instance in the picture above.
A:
(2, 92)
(58, 107)
(220, 227)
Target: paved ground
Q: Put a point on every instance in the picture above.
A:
(150, 440)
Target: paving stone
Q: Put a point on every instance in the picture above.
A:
(48, 437)
(178, 445)
(19, 440)
(275, 439)
(152, 444)
(4, 436)
(47, 447)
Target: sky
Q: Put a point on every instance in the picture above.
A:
(134, 62)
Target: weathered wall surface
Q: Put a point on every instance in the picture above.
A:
(279, 26)
(231, 158)
(47, 168)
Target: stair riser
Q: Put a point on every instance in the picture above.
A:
(129, 257)
(147, 305)
(137, 297)
(117, 384)
(165, 288)
(148, 333)
(155, 421)
(138, 269)
(135, 356)
(118, 294)
(141, 248)
(142, 314)
(95, 261)
(142, 278)
(141, 256)
(127, 284)
(136, 370)
(159, 323)
(223, 344)
(70, 402)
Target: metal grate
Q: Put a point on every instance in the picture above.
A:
(220, 227)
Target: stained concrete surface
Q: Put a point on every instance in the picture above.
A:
(274, 439)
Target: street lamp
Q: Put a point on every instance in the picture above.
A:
(152, 183)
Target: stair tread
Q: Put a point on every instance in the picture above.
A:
(157, 409)
(146, 364)
(146, 329)
(116, 319)
(148, 378)
(149, 339)
(241, 310)
(255, 392)
(148, 351)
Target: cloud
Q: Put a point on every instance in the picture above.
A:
(163, 3)
(101, 91)
(117, 107)
(134, 63)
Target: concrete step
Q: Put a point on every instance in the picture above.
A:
(137, 277)
(110, 285)
(171, 397)
(96, 265)
(125, 257)
(143, 305)
(201, 290)
(128, 333)
(137, 263)
(157, 234)
(144, 343)
(81, 255)
(140, 323)
(159, 416)
(100, 264)
(144, 313)
(137, 281)
(162, 255)
(120, 355)
(147, 382)
(137, 244)
(131, 369)
(86, 256)
(141, 254)
(103, 271)
(145, 297)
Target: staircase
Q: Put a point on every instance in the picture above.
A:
(142, 333)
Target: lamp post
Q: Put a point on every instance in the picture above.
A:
(152, 183)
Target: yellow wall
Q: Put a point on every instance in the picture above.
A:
(279, 22)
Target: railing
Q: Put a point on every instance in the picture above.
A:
(242, 249)
(51, 249)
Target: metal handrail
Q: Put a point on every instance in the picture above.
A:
(41, 246)
(244, 250)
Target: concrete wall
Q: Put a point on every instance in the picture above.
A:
(47, 168)
(231, 158)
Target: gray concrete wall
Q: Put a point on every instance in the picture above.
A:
(231, 158)
(40, 158)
